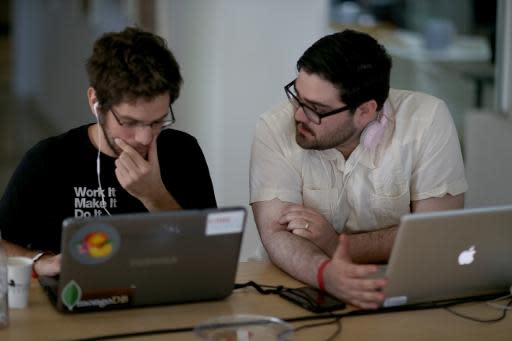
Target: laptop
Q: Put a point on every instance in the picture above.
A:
(142, 259)
(450, 254)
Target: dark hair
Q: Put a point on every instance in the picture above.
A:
(132, 64)
(355, 63)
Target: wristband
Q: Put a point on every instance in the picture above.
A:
(320, 274)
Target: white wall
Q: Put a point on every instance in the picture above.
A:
(236, 57)
(46, 55)
(52, 40)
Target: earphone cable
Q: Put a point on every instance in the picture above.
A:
(98, 171)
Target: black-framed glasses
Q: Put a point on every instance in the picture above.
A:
(163, 123)
(313, 115)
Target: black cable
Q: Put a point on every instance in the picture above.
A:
(319, 324)
(313, 325)
(339, 316)
(259, 287)
(135, 334)
(337, 331)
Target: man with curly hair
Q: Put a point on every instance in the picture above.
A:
(127, 161)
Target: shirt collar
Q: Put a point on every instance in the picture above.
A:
(363, 156)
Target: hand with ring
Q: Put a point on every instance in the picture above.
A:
(309, 224)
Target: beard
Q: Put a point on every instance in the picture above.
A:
(308, 139)
(110, 139)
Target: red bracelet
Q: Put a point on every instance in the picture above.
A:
(320, 274)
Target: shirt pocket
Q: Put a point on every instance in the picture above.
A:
(389, 206)
(320, 200)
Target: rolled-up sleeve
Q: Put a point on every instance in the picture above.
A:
(439, 168)
(272, 174)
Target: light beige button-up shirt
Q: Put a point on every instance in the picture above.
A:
(418, 157)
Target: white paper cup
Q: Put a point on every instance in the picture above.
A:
(19, 272)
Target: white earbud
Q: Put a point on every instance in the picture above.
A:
(95, 110)
(98, 162)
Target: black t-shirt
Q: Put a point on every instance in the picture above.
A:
(57, 179)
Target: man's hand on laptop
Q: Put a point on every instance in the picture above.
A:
(309, 224)
(48, 265)
(350, 282)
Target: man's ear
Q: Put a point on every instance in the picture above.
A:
(93, 102)
(366, 112)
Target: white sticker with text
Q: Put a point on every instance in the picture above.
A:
(224, 222)
(394, 301)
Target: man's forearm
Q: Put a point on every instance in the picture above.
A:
(375, 247)
(162, 202)
(372, 247)
(295, 255)
(16, 250)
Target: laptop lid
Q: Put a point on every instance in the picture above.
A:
(149, 258)
(450, 254)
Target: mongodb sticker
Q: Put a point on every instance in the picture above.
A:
(71, 294)
(94, 244)
(75, 298)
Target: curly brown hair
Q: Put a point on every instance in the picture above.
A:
(132, 64)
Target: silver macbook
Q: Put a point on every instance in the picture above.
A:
(450, 254)
(144, 259)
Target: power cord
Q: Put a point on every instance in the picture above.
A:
(501, 306)
(336, 320)
(504, 311)
(491, 303)
(260, 287)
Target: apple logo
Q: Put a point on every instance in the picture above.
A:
(467, 256)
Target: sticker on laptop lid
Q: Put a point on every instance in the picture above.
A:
(94, 244)
(224, 222)
(71, 294)
(74, 298)
(394, 301)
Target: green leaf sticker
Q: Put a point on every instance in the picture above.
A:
(71, 294)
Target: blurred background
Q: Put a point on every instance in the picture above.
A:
(236, 55)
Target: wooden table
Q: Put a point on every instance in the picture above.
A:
(40, 321)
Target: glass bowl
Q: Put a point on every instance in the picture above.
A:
(244, 327)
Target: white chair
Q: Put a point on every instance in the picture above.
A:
(488, 158)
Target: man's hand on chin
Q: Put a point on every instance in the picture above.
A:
(142, 179)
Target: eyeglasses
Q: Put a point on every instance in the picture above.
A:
(313, 115)
(163, 123)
